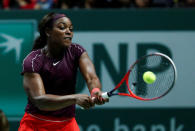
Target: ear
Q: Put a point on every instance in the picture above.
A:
(48, 32)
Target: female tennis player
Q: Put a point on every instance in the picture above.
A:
(50, 77)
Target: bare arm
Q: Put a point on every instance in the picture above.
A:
(88, 71)
(34, 88)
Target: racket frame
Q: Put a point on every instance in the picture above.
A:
(127, 75)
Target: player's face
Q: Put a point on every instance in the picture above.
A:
(62, 32)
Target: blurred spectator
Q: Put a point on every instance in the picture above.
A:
(107, 3)
(4, 125)
(91, 4)
(9, 4)
(26, 4)
(190, 3)
(120, 3)
(66, 4)
(143, 3)
(163, 3)
(124, 3)
(97, 3)
(44, 4)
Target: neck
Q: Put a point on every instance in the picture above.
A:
(54, 52)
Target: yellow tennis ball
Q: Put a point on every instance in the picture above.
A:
(149, 77)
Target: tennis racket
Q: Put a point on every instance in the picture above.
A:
(161, 65)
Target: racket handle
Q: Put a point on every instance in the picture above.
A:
(105, 95)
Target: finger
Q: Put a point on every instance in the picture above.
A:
(100, 93)
(91, 102)
(87, 106)
(96, 101)
(103, 100)
(93, 99)
(87, 103)
(100, 101)
(97, 93)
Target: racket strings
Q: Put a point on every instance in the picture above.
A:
(165, 76)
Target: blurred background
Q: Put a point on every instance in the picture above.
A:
(93, 4)
(115, 33)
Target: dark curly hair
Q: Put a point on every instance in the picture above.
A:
(45, 23)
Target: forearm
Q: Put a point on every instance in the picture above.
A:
(95, 90)
(93, 83)
(50, 102)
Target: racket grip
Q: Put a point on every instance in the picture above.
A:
(105, 95)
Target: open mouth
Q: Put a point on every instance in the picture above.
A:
(68, 38)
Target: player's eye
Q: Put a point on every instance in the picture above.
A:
(61, 27)
(71, 29)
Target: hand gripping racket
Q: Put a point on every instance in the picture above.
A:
(161, 65)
